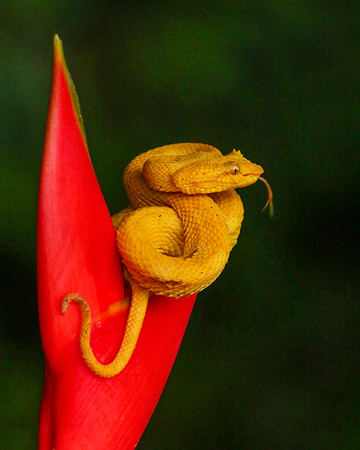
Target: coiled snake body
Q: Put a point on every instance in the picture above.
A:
(175, 238)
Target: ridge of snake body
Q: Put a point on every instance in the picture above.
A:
(175, 238)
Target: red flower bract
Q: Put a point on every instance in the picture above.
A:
(76, 252)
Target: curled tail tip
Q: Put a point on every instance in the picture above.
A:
(65, 304)
(70, 298)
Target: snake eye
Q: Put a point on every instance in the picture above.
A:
(234, 170)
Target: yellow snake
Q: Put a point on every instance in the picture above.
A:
(175, 238)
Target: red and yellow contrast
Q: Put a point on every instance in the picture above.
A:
(77, 252)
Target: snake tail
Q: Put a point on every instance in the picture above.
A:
(134, 323)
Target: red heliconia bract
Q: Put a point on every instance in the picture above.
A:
(76, 252)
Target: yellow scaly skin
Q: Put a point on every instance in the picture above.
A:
(176, 236)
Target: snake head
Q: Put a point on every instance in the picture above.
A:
(217, 173)
(239, 171)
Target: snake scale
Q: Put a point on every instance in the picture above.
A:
(175, 237)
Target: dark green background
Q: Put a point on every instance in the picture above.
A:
(270, 359)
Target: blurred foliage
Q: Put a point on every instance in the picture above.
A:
(270, 359)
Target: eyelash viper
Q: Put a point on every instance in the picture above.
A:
(175, 238)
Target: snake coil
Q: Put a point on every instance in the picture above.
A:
(176, 237)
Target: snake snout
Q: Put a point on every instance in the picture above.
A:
(248, 170)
